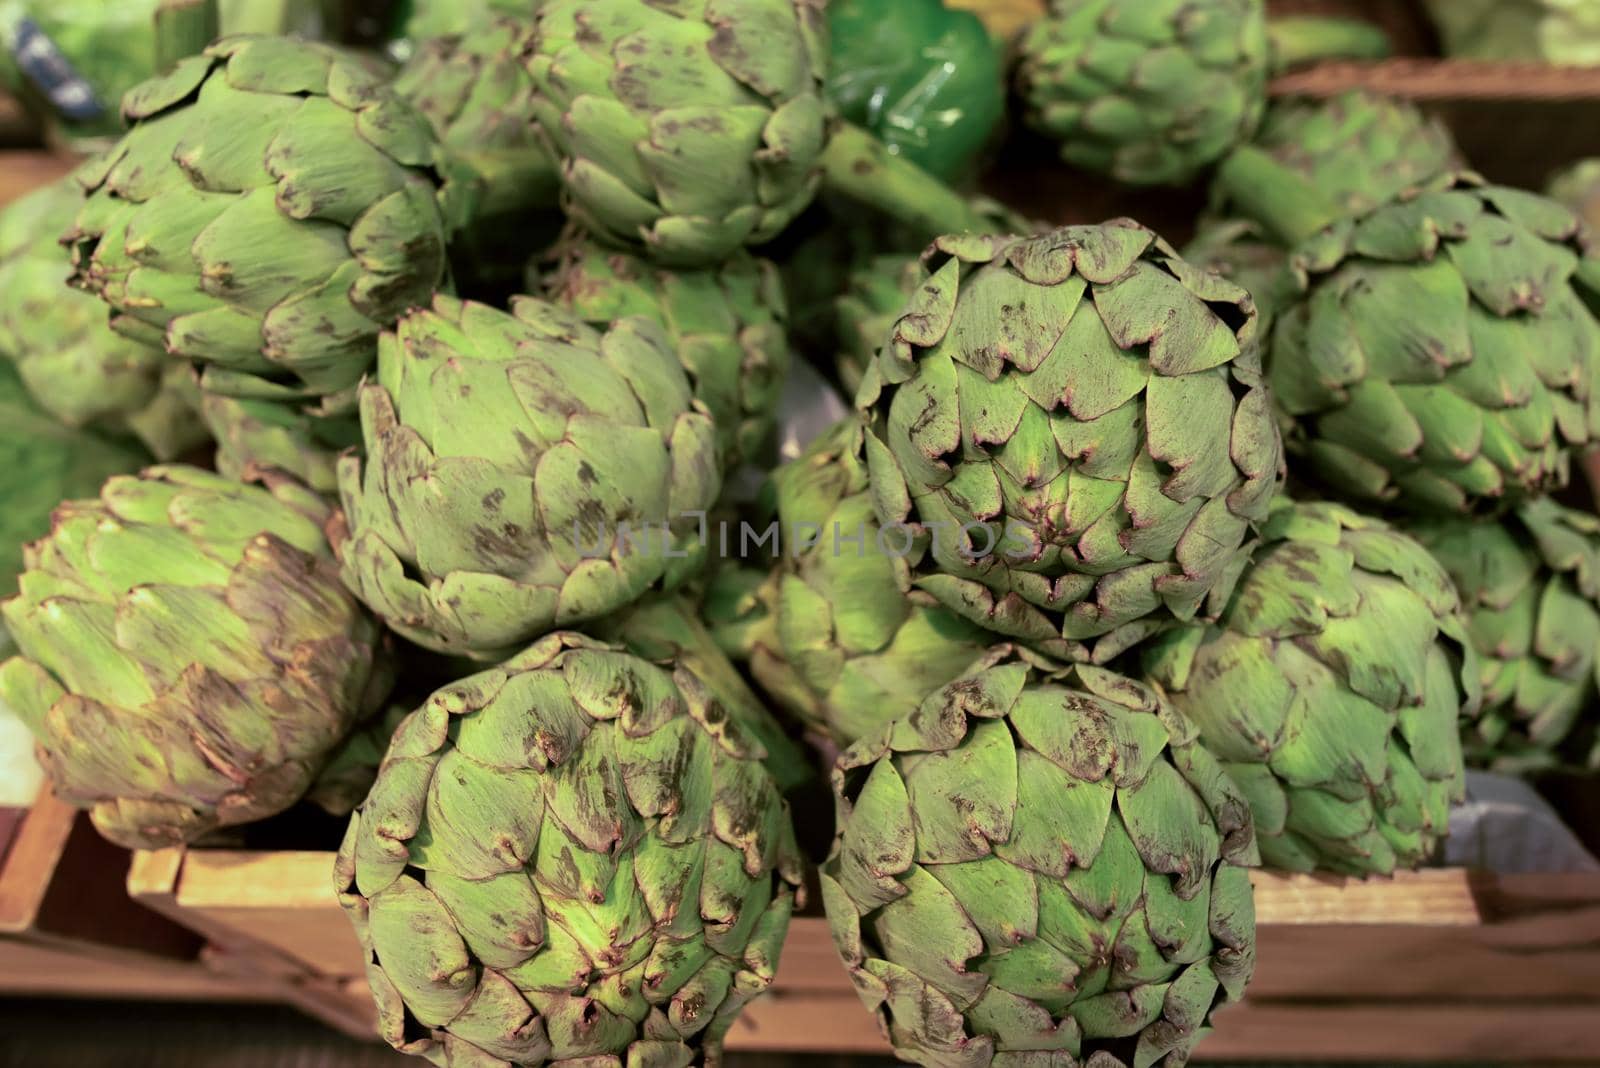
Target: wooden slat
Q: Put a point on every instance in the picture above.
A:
(1383, 963)
(31, 862)
(1412, 1033)
(1445, 79)
(1463, 1032)
(1436, 898)
(284, 900)
(34, 969)
(285, 879)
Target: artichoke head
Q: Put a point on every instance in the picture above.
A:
(1440, 353)
(41, 464)
(1075, 425)
(1578, 187)
(1332, 689)
(523, 471)
(573, 855)
(845, 641)
(272, 207)
(728, 324)
(1149, 93)
(686, 130)
(1531, 588)
(75, 366)
(1336, 158)
(1548, 31)
(1040, 863)
(475, 89)
(189, 659)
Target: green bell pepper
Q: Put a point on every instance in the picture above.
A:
(926, 80)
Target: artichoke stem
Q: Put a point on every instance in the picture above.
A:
(1303, 39)
(184, 28)
(1286, 204)
(857, 165)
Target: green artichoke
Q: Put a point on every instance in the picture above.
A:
(1078, 420)
(728, 325)
(572, 857)
(475, 89)
(686, 129)
(272, 208)
(347, 777)
(1347, 155)
(43, 463)
(1041, 869)
(74, 365)
(865, 313)
(1531, 584)
(1241, 252)
(837, 633)
(267, 433)
(1152, 93)
(189, 659)
(1554, 31)
(1441, 353)
(1332, 690)
(523, 472)
(1148, 93)
(1578, 187)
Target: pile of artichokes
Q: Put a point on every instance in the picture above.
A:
(469, 384)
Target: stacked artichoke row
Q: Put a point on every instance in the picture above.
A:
(1127, 570)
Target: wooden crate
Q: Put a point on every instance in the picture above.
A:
(1433, 965)
(68, 927)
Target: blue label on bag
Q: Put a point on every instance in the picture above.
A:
(52, 74)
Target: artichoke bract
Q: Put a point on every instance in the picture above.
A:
(1348, 155)
(575, 856)
(1333, 690)
(475, 89)
(1531, 587)
(252, 432)
(667, 628)
(837, 633)
(728, 325)
(1040, 864)
(189, 659)
(1078, 420)
(272, 208)
(1148, 93)
(523, 471)
(1441, 352)
(688, 129)
(75, 366)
